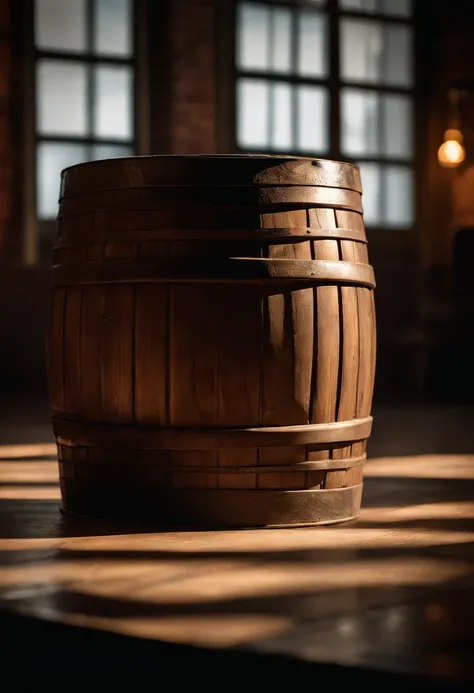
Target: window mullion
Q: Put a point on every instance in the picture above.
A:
(91, 73)
(334, 79)
(381, 129)
(271, 87)
(294, 49)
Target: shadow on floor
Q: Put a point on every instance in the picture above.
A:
(62, 656)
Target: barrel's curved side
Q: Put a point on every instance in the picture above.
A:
(173, 355)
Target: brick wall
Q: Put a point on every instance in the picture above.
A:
(188, 96)
(192, 75)
(450, 38)
(5, 128)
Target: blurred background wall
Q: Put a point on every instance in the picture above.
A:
(359, 80)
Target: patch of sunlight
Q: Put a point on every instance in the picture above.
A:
(29, 472)
(181, 582)
(268, 540)
(422, 466)
(428, 511)
(10, 452)
(211, 630)
(25, 492)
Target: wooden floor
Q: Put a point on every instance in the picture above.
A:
(392, 591)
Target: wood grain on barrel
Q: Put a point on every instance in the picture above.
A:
(117, 344)
(93, 301)
(366, 339)
(72, 350)
(350, 343)
(287, 350)
(95, 251)
(151, 352)
(209, 330)
(89, 319)
(193, 373)
(239, 386)
(288, 332)
(365, 331)
(326, 349)
(56, 385)
(193, 357)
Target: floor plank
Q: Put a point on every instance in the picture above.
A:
(391, 591)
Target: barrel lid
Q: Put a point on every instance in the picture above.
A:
(199, 170)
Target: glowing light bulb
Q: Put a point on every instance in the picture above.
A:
(451, 153)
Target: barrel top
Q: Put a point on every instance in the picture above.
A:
(203, 169)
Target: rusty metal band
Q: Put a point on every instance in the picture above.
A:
(74, 433)
(86, 235)
(138, 468)
(223, 270)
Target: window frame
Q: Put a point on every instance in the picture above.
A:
(289, 78)
(38, 234)
(229, 73)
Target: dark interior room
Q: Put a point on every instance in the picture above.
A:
(190, 358)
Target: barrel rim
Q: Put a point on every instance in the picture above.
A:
(220, 157)
(188, 170)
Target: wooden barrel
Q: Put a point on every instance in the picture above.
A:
(213, 340)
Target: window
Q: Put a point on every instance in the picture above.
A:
(84, 89)
(283, 65)
(332, 78)
(376, 71)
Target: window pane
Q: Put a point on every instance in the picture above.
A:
(113, 27)
(52, 157)
(374, 124)
(253, 36)
(398, 196)
(281, 45)
(61, 98)
(110, 151)
(312, 44)
(375, 53)
(371, 175)
(281, 137)
(113, 103)
(313, 131)
(360, 122)
(60, 25)
(398, 44)
(359, 5)
(252, 113)
(397, 126)
(394, 8)
(361, 50)
(316, 3)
